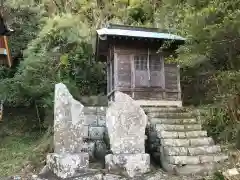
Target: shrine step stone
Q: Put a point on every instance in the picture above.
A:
(183, 127)
(175, 136)
(171, 114)
(187, 142)
(173, 121)
(200, 159)
(149, 109)
(196, 169)
(191, 151)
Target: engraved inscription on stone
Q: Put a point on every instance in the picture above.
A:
(126, 123)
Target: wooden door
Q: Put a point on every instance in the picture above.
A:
(156, 71)
(141, 71)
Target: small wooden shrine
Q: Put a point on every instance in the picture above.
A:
(136, 64)
(5, 56)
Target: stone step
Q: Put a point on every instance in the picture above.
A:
(163, 109)
(204, 141)
(173, 121)
(206, 169)
(172, 114)
(191, 169)
(173, 127)
(180, 135)
(200, 159)
(191, 151)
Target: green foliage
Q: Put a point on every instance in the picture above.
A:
(59, 47)
(209, 58)
(220, 126)
(24, 17)
(14, 150)
(54, 40)
(19, 152)
(60, 53)
(218, 176)
(22, 144)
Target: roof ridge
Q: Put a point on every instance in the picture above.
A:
(135, 28)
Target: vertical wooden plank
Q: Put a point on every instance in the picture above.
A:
(108, 70)
(148, 68)
(163, 76)
(108, 76)
(111, 73)
(178, 81)
(8, 52)
(110, 52)
(132, 75)
(115, 70)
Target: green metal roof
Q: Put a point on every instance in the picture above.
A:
(129, 31)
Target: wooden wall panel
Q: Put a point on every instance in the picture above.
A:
(127, 92)
(124, 70)
(3, 60)
(148, 95)
(171, 96)
(156, 80)
(171, 77)
(164, 81)
(156, 70)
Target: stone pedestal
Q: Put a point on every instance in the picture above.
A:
(134, 164)
(67, 165)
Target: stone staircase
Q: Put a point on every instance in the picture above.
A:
(175, 136)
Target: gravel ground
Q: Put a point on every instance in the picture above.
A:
(154, 175)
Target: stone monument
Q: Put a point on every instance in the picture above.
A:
(126, 123)
(68, 159)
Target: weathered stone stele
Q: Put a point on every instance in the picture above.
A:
(126, 123)
(68, 159)
(68, 122)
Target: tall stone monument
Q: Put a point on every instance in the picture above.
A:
(68, 159)
(126, 123)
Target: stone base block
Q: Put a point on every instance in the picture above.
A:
(134, 164)
(113, 177)
(98, 176)
(67, 165)
(86, 174)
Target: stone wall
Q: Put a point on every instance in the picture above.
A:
(153, 143)
(96, 127)
(93, 100)
(96, 122)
